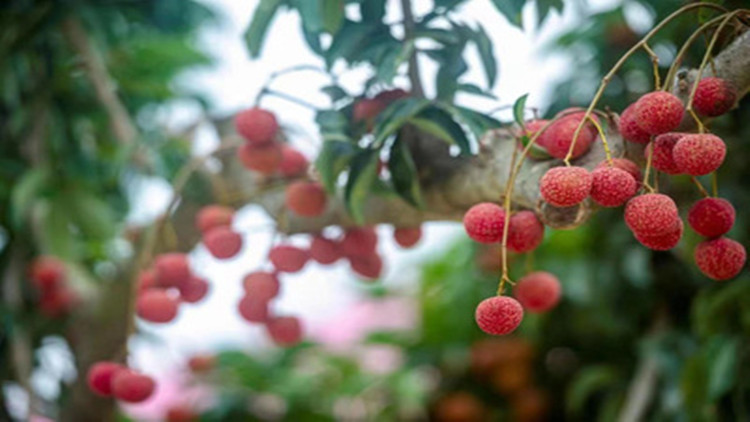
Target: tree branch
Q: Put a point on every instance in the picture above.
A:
(414, 73)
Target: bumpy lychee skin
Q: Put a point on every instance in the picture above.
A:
(307, 199)
(100, 377)
(499, 315)
(194, 290)
(484, 222)
(253, 309)
(47, 272)
(652, 214)
(172, 269)
(288, 258)
(612, 187)
(223, 242)
(658, 112)
(263, 159)
(538, 291)
(624, 164)
(293, 163)
(565, 186)
(662, 242)
(534, 126)
(662, 147)
(699, 154)
(407, 237)
(285, 331)
(256, 125)
(132, 387)
(629, 128)
(714, 96)
(212, 216)
(324, 251)
(261, 284)
(721, 258)
(711, 217)
(559, 136)
(359, 241)
(367, 266)
(525, 232)
(157, 305)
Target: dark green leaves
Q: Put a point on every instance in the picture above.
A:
(256, 32)
(404, 175)
(519, 107)
(332, 160)
(362, 173)
(439, 123)
(333, 125)
(511, 9)
(395, 116)
(484, 45)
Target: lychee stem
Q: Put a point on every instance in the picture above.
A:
(290, 98)
(646, 174)
(700, 186)
(655, 63)
(715, 184)
(607, 151)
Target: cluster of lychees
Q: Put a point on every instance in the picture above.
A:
(110, 379)
(653, 217)
(48, 275)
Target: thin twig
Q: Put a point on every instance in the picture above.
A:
(414, 73)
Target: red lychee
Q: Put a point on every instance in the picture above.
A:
(407, 237)
(538, 291)
(662, 147)
(652, 214)
(181, 413)
(367, 109)
(172, 269)
(699, 154)
(47, 272)
(256, 125)
(293, 163)
(193, 290)
(57, 302)
(525, 232)
(212, 216)
(264, 159)
(157, 305)
(147, 280)
(565, 186)
(711, 217)
(499, 315)
(360, 241)
(367, 266)
(534, 126)
(325, 251)
(721, 258)
(658, 112)
(389, 96)
(285, 330)
(629, 128)
(612, 187)
(559, 136)
(288, 258)
(307, 199)
(132, 387)
(714, 96)
(254, 309)
(223, 242)
(262, 285)
(624, 164)
(100, 377)
(484, 222)
(201, 363)
(662, 242)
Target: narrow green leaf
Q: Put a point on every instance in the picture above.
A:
(57, 237)
(91, 215)
(362, 173)
(543, 8)
(395, 115)
(404, 175)
(722, 366)
(486, 53)
(477, 122)
(347, 41)
(511, 9)
(310, 13)
(335, 92)
(333, 158)
(372, 11)
(441, 124)
(256, 32)
(25, 193)
(519, 107)
(333, 15)
(475, 90)
(332, 122)
(589, 381)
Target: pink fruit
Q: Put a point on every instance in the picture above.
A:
(714, 96)
(720, 258)
(222, 242)
(132, 387)
(263, 159)
(262, 285)
(157, 305)
(288, 258)
(659, 112)
(624, 164)
(629, 128)
(499, 315)
(652, 214)
(307, 199)
(699, 154)
(194, 290)
(285, 331)
(100, 377)
(538, 291)
(485, 222)
(662, 242)
(47, 272)
(212, 216)
(558, 137)
(565, 186)
(612, 187)
(525, 232)
(367, 266)
(407, 237)
(256, 125)
(711, 217)
(324, 251)
(293, 163)
(172, 269)
(662, 148)
(359, 241)
(254, 309)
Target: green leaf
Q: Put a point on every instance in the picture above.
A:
(519, 107)
(90, 214)
(477, 122)
(333, 158)
(475, 90)
(25, 192)
(335, 92)
(441, 124)
(722, 366)
(57, 238)
(440, 35)
(333, 125)
(589, 381)
(362, 173)
(395, 116)
(404, 175)
(333, 15)
(256, 32)
(511, 9)
(348, 40)
(543, 8)
(372, 11)
(310, 13)
(484, 45)
(391, 60)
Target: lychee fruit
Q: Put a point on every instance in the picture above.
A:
(57, 302)
(525, 232)
(288, 258)
(293, 163)
(181, 413)
(484, 222)
(499, 315)
(147, 280)
(559, 136)
(367, 109)
(659, 112)
(307, 199)
(662, 147)
(629, 128)
(360, 241)
(389, 96)
(262, 285)
(222, 242)
(714, 96)
(285, 330)
(201, 363)
(565, 186)
(172, 269)
(47, 272)
(624, 164)
(256, 125)
(100, 377)
(325, 251)
(612, 187)
(711, 217)
(157, 305)
(699, 154)
(407, 237)
(253, 309)
(662, 242)
(367, 266)
(538, 291)
(721, 258)
(212, 216)
(652, 214)
(534, 126)
(132, 387)
(263, 159)
(193, 290)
